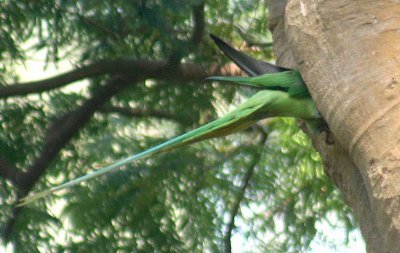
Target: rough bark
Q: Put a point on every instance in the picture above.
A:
(348, 53)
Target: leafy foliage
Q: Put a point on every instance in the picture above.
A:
(176, 202)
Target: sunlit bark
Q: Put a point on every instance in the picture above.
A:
(348, 53)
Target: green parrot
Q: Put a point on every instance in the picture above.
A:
(282, 94)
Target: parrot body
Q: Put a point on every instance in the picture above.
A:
(283, 94)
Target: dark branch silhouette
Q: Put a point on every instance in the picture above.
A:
(58, 136)
(7, 170)
(239, 197)
(132, 112)
(124, 72)
(128, 67)
(199, 23)
(250, 40)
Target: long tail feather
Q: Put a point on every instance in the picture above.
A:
(249, 65)
(240, 118)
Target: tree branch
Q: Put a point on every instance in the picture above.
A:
(183, 48)
(199, 23)
(66, 127)
(250, 40)
(7, 170)
(57, 137)
(239, 197)
(132, 112)
(62, 131)
(144, 68)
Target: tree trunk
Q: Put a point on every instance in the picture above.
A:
(348, 52)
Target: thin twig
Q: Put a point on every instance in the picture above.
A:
(240, 195)
(133, 112)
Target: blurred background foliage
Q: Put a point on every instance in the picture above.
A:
(268, 177)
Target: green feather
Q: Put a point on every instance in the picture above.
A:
(265, 103)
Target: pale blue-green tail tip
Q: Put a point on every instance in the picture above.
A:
(31, 198)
